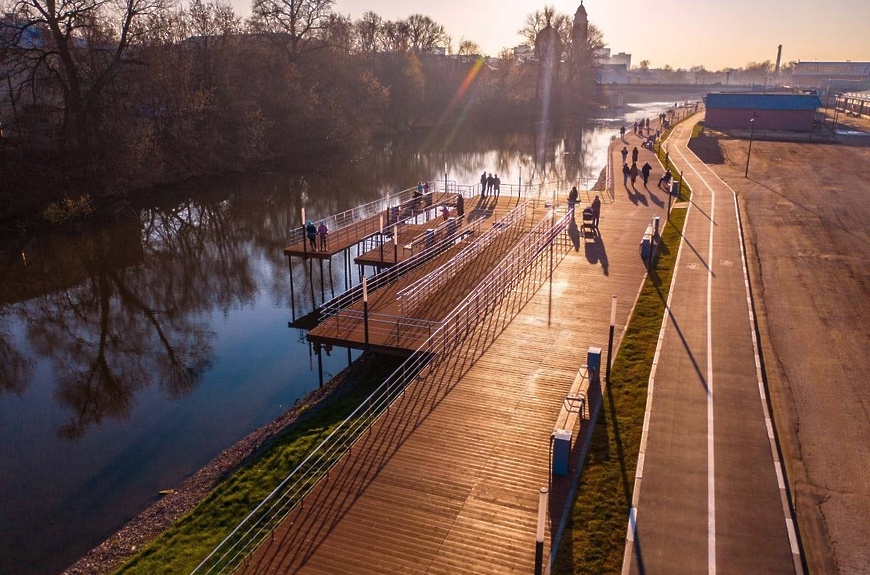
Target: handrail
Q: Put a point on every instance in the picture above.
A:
(412, 295)
(501, 282)
(391, 274)
(342, 219)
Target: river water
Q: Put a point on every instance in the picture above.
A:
(133, 351)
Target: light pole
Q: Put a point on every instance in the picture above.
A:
(836, 113)
(751, 134)
(610, 340)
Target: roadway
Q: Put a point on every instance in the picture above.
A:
(709, 493)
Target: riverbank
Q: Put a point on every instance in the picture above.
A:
(146, 527)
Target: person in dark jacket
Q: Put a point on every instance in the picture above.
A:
(645, 170)
(311, 232)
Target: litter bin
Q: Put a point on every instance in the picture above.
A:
(561, 451)
(675, 188)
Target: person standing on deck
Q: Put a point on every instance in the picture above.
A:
(322, 232)
(644, 171)
(483, 185)
(311, 232)
(634, 153)
(572, 200)
(596, 211)
(445, 212)
(490, 182)
(460, 205)
(496, 185)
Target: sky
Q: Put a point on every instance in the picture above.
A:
(680, 33)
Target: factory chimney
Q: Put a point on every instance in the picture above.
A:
(778, 59)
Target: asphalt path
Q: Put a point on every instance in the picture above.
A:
(709, 493)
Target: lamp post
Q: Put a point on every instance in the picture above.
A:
(836, 113)
(445, 177)
(610, 340)
(751, 134)
(539, 532)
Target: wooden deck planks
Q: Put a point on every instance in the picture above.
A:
(447, 480)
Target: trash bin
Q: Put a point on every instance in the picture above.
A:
(561, 451)
(430, 238)
(675, 188)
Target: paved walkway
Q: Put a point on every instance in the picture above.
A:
(709, 495)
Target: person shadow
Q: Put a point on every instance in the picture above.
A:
(596, 253)
(654, 198)
(574, 234)
(638, 198)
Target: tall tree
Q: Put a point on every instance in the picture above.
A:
(296, 20)
(424, 34)
(79, 46)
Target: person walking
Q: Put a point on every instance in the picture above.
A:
(624, 152)
(632, 172)
(596, 211)
(322, 233)
(311, 232)
(460, 205)
(644, 171)
(634, 153)
(572, 200)
(625, 171)
(622, 132)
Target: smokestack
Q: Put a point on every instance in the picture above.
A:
(778, 58)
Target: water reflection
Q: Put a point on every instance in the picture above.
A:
(133, 351)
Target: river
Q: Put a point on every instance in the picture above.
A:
(133, 351)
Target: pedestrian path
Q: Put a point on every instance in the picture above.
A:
(709, 495)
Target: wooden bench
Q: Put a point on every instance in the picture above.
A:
(573, 410)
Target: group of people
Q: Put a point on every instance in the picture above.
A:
(313, 232)
(489, 184)
(631, 172)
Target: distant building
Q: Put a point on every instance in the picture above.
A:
(620, 58)
(836, 76)
(854, 104)
(791, 112)
(613, 74)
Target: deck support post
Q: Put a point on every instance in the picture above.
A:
(319, 350)
(365, 311)
(292, 293)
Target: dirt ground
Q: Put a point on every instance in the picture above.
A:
(805, 209)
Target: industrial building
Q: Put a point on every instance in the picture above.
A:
(763, 111)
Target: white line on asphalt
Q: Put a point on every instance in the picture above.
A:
(711, 460)
(632, 515)
(786, 502)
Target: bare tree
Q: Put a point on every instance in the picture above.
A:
(541, 19)
(469, 48)
(424, 34)
(369, 31)
(296, 20)
(78, 46)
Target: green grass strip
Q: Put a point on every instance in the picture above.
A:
(594, 539)
(180, 548)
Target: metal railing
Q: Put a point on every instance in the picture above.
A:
(411, 296)
(511, 283)
(391, 274)
(348, 217)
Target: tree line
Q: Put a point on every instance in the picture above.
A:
(114, 95)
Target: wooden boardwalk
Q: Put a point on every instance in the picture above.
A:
(350, 235)
(394, 330)
(447, 480)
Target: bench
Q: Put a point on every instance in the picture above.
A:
(573, 409)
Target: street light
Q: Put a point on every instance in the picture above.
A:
(751, 134)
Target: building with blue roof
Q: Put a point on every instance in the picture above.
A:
(771, 111)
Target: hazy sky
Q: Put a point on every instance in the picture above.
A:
(682, 33)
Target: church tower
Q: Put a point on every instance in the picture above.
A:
(580, 32)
